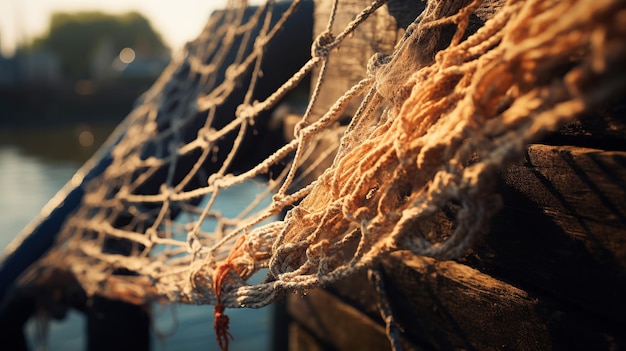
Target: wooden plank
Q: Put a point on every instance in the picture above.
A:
(583, 190)
(301, 340)
(450, 306)
(562, 230)
(455, 306)
(339, 325)
(443, 305)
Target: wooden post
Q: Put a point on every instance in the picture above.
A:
(348, 65)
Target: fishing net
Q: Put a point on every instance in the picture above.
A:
(467, 86)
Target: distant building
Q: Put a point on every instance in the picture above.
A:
(101, 60)
(8, 71)
(144, 67)
(44, 67)
(40, 67)
(109, 63)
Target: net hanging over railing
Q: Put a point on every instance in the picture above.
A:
(438, 116)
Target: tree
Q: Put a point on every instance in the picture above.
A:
(78, 37)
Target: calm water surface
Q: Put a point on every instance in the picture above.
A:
(34, 165)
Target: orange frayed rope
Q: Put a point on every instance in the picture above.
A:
(220, 321)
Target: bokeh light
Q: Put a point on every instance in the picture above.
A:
(127, 55)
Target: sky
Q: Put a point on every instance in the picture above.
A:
(178, 21)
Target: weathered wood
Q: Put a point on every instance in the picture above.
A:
(301, 340)
(378, 34)
(339, 325)
(562, 230)
(449, 305)
(582, 190)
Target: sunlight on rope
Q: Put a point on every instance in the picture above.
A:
(432, 130)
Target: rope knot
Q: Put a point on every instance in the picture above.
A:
(377, 61)
(232, 72)
(246, 112)
(323, 44)
(207, 136)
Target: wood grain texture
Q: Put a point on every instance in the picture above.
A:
(337, 324)
(446, 305)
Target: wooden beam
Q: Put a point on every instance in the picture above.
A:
(330, 322)
(348, 66)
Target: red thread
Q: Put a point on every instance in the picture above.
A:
(220, 321)
(221, 327)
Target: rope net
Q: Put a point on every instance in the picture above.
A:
(465, 88)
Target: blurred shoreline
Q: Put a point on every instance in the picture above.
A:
(84, 102)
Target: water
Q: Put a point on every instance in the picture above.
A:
(34, 165)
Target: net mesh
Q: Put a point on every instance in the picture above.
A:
(437, 118)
